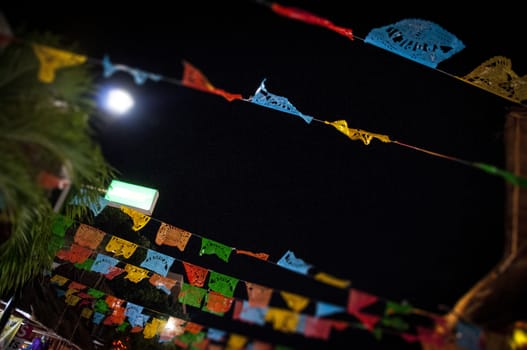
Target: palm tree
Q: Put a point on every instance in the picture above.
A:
(45, 128)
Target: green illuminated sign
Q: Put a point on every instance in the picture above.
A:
(140, 198)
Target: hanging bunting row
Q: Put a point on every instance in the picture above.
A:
(418, 40)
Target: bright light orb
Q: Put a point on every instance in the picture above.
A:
(118, 101)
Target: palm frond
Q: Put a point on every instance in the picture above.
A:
(43, 127)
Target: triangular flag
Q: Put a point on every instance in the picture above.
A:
(295, 302)
(324, 309)
(358, 300)
(193, 78)
(290, 262)
(496, 76)
(52, 59)
(304, 16)
(264, 98)
(357, 134)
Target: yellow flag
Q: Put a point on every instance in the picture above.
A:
(332, 281)
(283, 320)
(60, 280)
(496, 76)
(135, 274)
(139, 219)
(150, 330)
(52, 59)
(357, 134)
(119, 246)
(236, 341)
(86, 313)
(294, 301)
(72, 299)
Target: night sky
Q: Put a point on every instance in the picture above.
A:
(400, 224)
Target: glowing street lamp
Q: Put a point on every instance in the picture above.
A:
(118, 101)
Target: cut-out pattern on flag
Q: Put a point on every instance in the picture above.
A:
(196, 275)
(135, 274)
(172, 236)
(76, 254)
(88, 236)
(140, 76)
(132, 311)
(222, 284)
(194, 78)
(417, 40)
(139, 219)
(307, 17)
(357, 134)
(257, 295)
(157, 262)
(103, 264)
(163, 283)
(217, 303)
(332, 280)
(209, 247)
(52, 59)
(290, 262)
(264, 98)
(496, 76)
(191, 295)
(119, 246)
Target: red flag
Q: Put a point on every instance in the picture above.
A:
(196, 274)
(304, 16)
(358, 300)
(193, 78)
(369, 321)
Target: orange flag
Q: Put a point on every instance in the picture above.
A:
(193, 78)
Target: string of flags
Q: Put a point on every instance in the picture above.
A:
(219, 298)
(414, 39)
(418, 40)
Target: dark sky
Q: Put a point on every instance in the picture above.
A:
(398, 223)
